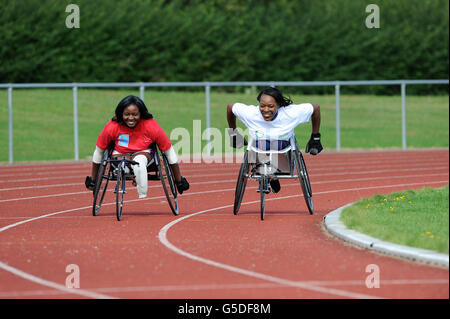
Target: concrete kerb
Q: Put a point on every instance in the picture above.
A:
(337, 228)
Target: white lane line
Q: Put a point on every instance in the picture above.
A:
(52, 284)
(234, 180)
(223, 181)
(311, 168)
(278, 280)
(162, 235)
(165, 288)
(323, 162)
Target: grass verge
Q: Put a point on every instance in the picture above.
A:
(416, 218)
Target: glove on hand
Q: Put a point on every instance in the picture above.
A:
(236, 139)
(90, 184)
(314, 146)
(183, 185)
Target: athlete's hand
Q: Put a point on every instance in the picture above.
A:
(182, 185)
(314, 146)
(89, 183)
(236, 139)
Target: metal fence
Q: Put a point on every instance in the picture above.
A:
(207, 85)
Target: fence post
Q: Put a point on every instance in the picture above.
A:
(10, 124)
(141, 92)
(75, 121)
(403, 90)
(338, 117)
(208, 119)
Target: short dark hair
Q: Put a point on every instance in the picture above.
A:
(276, 94)
(127, 101)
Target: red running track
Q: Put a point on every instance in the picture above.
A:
(207, 252)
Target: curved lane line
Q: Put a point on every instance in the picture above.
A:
(163, 238)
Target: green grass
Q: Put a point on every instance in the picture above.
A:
(416, 218)
(43, 119)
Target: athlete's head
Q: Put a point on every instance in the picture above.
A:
(270, 100)
(130, 111)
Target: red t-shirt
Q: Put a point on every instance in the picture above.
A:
(137, 139)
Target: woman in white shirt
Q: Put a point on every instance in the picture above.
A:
(275, 118)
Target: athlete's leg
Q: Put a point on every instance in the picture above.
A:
(140, 172)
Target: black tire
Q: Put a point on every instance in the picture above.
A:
(167, 181)
(262, 187)
(304, 180)
(120, 190)
(241, 183)
(100, 187)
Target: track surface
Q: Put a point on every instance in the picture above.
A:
(206, 252)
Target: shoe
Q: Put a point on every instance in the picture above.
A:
(275, 185)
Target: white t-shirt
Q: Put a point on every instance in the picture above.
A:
(280, 128)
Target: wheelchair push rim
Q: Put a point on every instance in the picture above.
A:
(166, 175)
(240, 185)
(100, 188)
(263, 185)
(120, 191)
(304, 181)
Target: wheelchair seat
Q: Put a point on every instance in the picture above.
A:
(272, 157)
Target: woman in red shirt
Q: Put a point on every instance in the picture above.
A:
(132, 130)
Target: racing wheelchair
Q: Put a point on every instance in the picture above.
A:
(263, 164)
(117, 169)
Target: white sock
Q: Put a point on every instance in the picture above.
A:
(140, 172)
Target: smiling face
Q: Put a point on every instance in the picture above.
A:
(268, 107)
(131, 116)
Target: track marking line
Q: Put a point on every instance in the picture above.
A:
(165, 288)
(433, 166)
(212, 182)
(163, 236)
(52, 284)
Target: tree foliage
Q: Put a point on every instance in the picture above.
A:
(223, 40)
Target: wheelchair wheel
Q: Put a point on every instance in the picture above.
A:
(304, 180)
(120, 190)
(241, 183)
(167, 181)
(262, 191)
(100, 186)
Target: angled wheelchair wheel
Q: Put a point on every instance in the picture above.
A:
(120, 191)
(304, 180)
(263, 186)
(241, 183)
(101, 185)
(167, 181)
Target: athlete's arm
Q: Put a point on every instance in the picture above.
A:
(315, 119)
(314, 146)
(231, 118)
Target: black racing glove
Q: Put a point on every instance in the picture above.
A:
(314, 146)
(182, 185)
(90, 184)
(236, 139)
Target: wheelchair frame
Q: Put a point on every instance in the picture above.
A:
(112, 169)
(263, 172)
